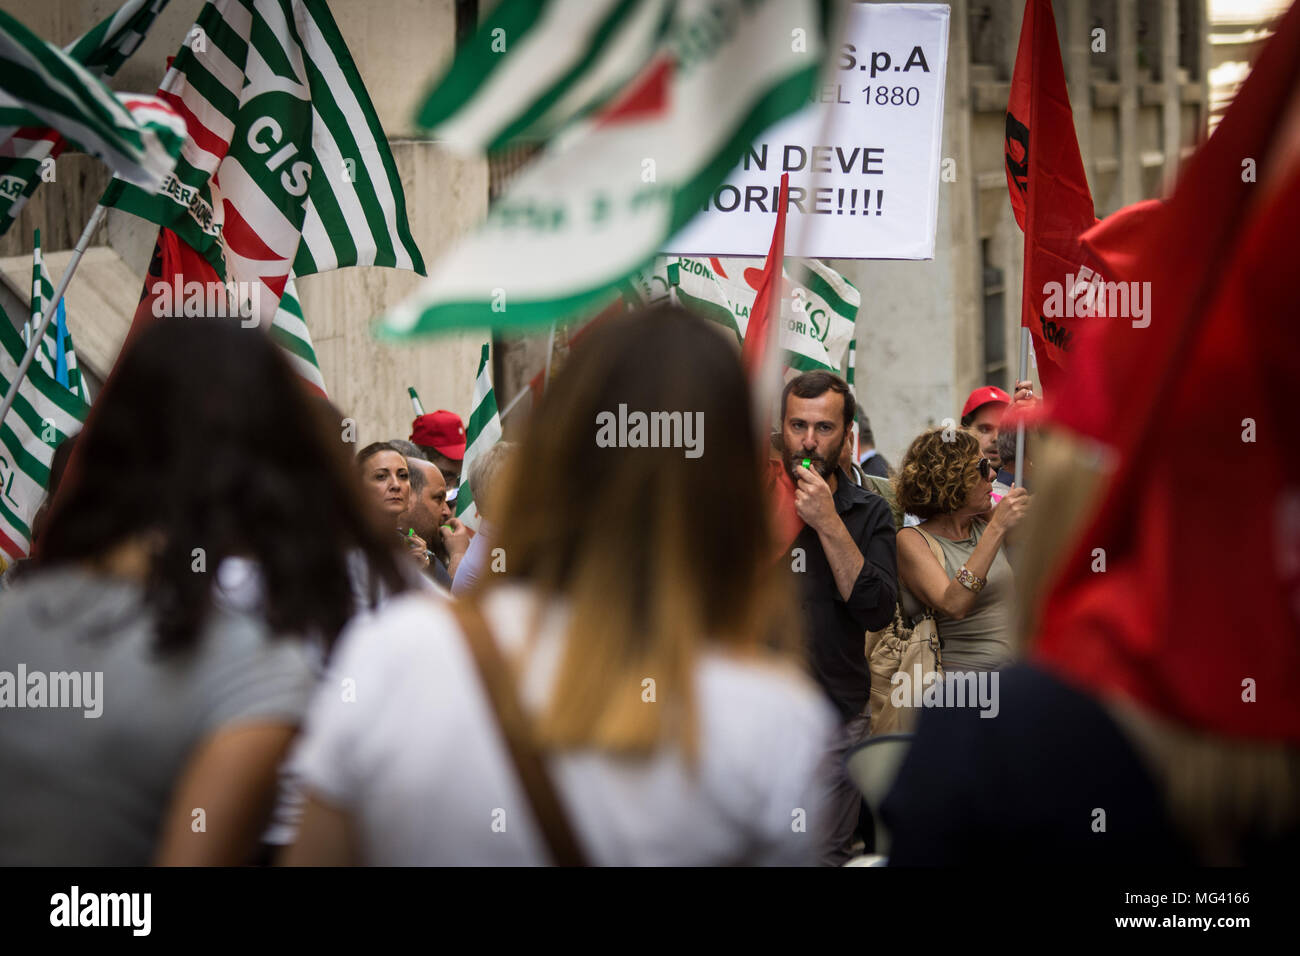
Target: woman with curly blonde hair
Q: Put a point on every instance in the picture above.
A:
(946, 483)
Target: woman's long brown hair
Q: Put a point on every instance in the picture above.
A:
(656, 554)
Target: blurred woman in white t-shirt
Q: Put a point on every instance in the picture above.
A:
(652, 641)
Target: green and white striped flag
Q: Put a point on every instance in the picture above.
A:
(47, 355)
(820, 311)
(41, 86)
(536, 65)
(697, 287)
(611, 189)
(286, 166)
(483, 431)
(289, 331)
(30, 151)
(44, 413)
(106, 46)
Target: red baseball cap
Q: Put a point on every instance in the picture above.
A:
(983, 396)
(443, 431)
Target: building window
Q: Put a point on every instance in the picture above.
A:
(995, 333)
(1102, 16)
(984, 38)
(1148, 38)
(1190, 27)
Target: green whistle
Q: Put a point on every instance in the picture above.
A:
(807, 463)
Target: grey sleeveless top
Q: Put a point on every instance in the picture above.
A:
(981, 641)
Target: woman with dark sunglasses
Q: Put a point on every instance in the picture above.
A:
(946, 483)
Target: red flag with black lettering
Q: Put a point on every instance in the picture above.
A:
(1049, 193)
(173, 264)
(1182, 593)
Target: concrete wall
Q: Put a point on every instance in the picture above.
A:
(399, 46)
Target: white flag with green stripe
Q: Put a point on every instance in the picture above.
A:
(44, 413)
(57, 340)
(612, 188)
(29, 151)
(535, 65)
(106, 46)
(820, 312)
(286, 166)
(43, 87)
(482, 432)
(289, 331)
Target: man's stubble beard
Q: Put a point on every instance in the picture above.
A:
(825, 467)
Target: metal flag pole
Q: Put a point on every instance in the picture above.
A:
(850, 377)
(514, 401)
(38, 333)
(1020, 419)
(550, 350)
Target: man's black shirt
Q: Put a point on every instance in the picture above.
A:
(835, 629)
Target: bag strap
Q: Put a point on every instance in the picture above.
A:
(935, 547)
(500, 688)
(937, 551)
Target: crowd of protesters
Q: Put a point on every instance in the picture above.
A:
(641, 657)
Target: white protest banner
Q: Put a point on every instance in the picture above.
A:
(863, 159)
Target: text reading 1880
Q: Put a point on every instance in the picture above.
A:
(894, 96)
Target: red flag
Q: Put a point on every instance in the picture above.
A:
(180, 282)
(1119, 240)
(174, 263)
(1196, 615)
(1096, 398)
(779, 486)
(768, 299)
(763, 370)
(1049, 190)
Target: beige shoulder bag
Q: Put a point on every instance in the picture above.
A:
(913, 649)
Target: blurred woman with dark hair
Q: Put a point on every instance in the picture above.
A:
(175, 707)
(638, 618)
